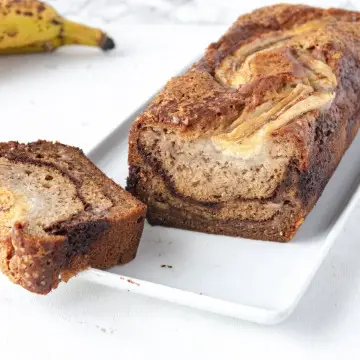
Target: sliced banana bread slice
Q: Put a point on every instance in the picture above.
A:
(59, 214)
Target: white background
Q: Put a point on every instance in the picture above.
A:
(61, 100)
(204, 12)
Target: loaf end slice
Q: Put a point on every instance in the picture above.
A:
(59, 214)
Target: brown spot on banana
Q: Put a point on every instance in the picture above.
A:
(11, 33)
(41, 8)
(48, 46)
(56, 22)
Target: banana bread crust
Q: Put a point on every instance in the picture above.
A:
(99, 240)
(256, 59)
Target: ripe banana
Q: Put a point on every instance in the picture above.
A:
(28, 26)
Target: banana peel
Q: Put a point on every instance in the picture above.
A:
(31, 26)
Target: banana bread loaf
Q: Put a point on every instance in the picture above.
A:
(59, 214)
(244, 142)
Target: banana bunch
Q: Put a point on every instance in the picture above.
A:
(30, 26)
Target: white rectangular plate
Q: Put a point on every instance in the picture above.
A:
(252, 280)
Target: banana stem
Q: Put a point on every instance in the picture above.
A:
(76, 33)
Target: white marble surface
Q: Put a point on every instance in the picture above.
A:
(72, 96)
(174, 11)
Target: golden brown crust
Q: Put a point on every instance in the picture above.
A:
(196, 101)
(258, 62)
(118, 244)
